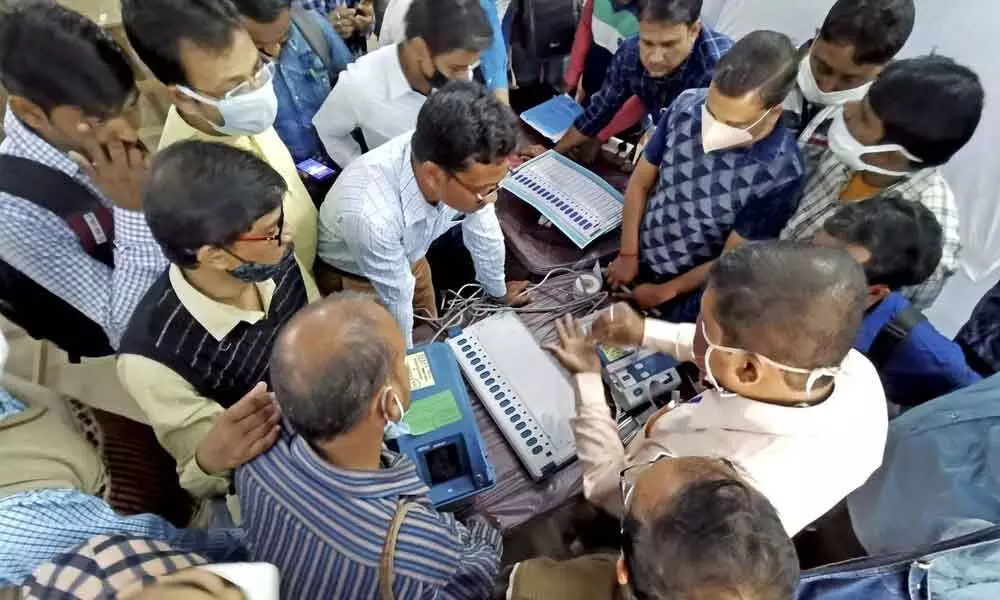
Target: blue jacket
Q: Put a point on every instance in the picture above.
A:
(923, 366)
(302, 83)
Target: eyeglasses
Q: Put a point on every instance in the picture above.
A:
(482, 197)
(628, 476)
(274, 237)
(263, 73)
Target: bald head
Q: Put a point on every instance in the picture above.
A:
(331, 360)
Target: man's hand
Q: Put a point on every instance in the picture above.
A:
(117, 167)
(245, 430)
(575, 351)
(516, 295)
(342, 19)
(620, 325)
(623, 270)
(650, 295)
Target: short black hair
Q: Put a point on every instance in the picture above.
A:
(53, 57)
(461, 124)
(762, 61)
(328, 396)
(877, 29)
(155, 29)
(715, 539)
(929, 105)
(447, 25)
(262, 11)
(206, 194)
(904, 238)
(794, 302)
(669, 11)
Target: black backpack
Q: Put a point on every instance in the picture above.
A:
(544, 29)
(42, 314)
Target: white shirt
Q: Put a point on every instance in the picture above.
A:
(803, 459)
(376, 223)
(393, 28)
(372, 94)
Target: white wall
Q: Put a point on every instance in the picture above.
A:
(965, 30)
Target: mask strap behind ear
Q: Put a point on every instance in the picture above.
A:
(816, 374)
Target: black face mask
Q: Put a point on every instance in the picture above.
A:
(438, 79)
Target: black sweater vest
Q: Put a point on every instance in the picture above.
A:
(163, 330)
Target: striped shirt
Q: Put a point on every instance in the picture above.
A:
(826, 177)
(324, 527)
(41, 245)
(376, 223)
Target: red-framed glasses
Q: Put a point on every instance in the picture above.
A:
(274, 237)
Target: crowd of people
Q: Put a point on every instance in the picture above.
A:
(786, 221)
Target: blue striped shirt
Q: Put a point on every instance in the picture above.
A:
(376, 223)
(324, 528)
(37, 525)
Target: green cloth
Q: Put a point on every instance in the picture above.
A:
(590, 577)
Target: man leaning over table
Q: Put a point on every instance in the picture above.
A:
(381, 216)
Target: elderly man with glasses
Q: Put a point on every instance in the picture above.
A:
(195, 354)
(692, 528)
(380, 218)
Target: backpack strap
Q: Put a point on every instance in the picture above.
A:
(66, 198)
(892, 334)
(305, 20)
(385, 575)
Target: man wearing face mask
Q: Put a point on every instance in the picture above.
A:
(672, 53)
(223, 91)
(386, 209)
(790, 403)
(721, 169)
(304, 74)
(195, 356)
(857, 40)
(383, 91)
(139, 568)
(75, 252)
(341, 516)
(916, 116)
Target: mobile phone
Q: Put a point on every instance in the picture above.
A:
(314, 169)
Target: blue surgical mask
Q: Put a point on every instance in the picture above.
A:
(255, 272)
(394, 429)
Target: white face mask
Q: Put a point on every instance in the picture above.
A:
(258, 581)
(851, 152)
(813, 375)
(394, 429)
(811, 92)
(248, 113)
(716, 135)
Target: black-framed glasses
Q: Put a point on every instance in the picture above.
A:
(482, 197)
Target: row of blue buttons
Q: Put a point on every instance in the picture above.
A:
(536, 447)
(563, 206)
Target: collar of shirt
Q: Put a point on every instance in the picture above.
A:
(23, 142)
(876, 317)
(387, 62)
(397, 477)
(737, 413)
(416, 207)
(218, 318)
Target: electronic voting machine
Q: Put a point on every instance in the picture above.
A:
(444, 442)
(582, 205)
(526, 392)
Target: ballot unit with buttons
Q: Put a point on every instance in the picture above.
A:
(523, 389)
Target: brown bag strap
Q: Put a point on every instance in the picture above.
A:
(385, 576)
